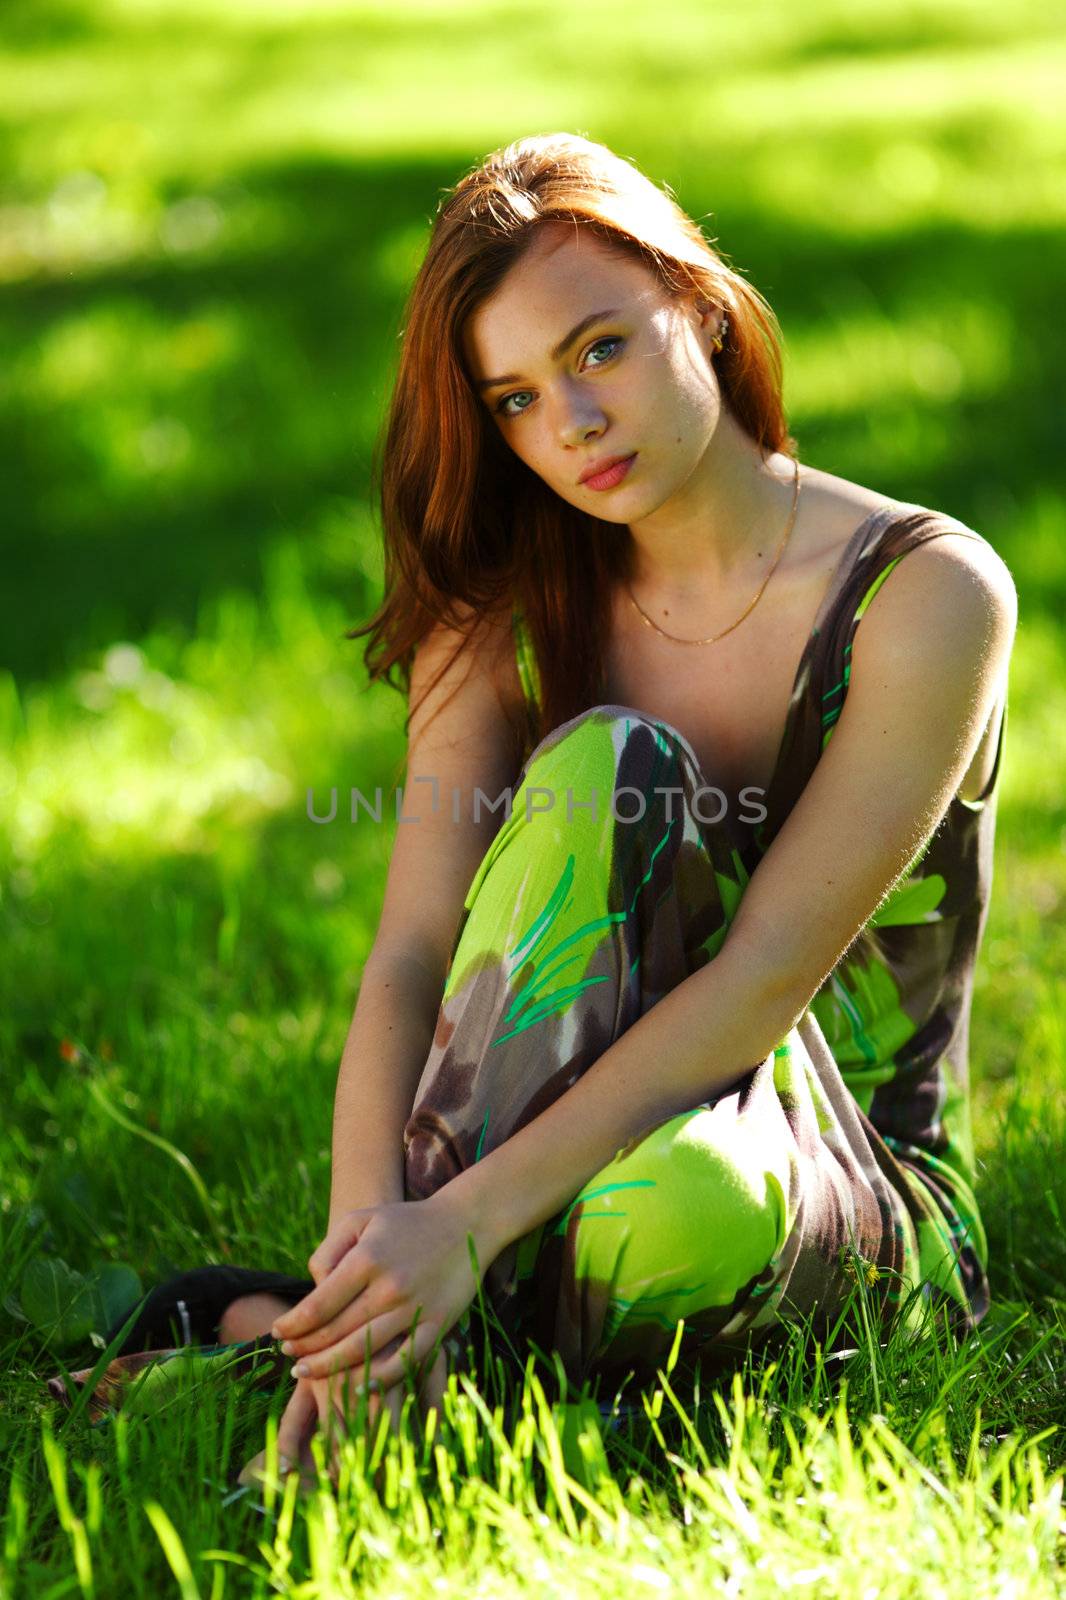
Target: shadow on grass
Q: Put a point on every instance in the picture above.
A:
(222, 403)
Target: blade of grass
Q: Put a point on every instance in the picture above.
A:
(176, 1155)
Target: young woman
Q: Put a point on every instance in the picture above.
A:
(682, 1032)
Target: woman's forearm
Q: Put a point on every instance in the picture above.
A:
(694, 1044)
(386, 1049)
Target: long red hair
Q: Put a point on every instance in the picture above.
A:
(468, 528)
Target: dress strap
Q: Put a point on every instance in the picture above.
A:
(822, 684)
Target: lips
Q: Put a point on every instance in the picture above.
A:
(606, 473)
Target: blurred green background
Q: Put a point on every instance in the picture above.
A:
(210, 218)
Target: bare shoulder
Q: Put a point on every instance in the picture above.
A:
(469, 666)
(459, 740)
(958, 559)
(918, 727)
(945, 618)
(831, 509)
(957, 578)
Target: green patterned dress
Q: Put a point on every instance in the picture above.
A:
(846, 1154)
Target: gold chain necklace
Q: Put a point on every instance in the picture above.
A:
(753, 603)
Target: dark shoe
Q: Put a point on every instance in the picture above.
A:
(187, 1309)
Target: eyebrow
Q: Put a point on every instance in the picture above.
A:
(560, 349)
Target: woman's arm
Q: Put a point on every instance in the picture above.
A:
(693, 1045)
(929, 661)
(386, 1048)
(458, 736)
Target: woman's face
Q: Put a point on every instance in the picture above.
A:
(583, 358)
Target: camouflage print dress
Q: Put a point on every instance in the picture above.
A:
(845, 1153)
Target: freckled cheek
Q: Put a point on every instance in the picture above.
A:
(538, 452)
(544, 448)
(662, 400)
(696, 410)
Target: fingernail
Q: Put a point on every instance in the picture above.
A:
(301, 1370)
(287, 1347)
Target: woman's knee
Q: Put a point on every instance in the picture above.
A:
(684, 1217)
(607, 764)
(610, 728)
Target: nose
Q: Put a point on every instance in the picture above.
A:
(579, 418)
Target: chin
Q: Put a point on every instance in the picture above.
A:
(646, 507)
(620, 518)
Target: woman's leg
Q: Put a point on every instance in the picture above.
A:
(735, 1215)
(576, 923)
(250, 1316)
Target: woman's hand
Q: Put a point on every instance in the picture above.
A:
(400, 1271)
(324, 1406)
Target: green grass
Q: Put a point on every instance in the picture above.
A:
(204, 246)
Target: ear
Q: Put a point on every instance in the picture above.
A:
(713, 319)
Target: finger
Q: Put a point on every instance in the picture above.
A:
(338, 1403)
(297, 1423)
(355, 1349)
(336, 1291)
(392, 1367)
(391, 1402)
(375, 1301)
(350, 1320)
(388, 1405)
(434, 1384)
(340, 1396)
(392, 1405)
(345, 1233)
(253, 1472)
(295, 1428)
(346, 1406)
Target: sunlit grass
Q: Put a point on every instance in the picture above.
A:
(867, 359)
(266, 702)
(728, 1491)
(206, 956)
(931, 129)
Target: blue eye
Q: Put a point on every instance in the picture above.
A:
(614, 341)
(517, 395)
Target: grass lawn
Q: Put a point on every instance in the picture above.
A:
(211, 217)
